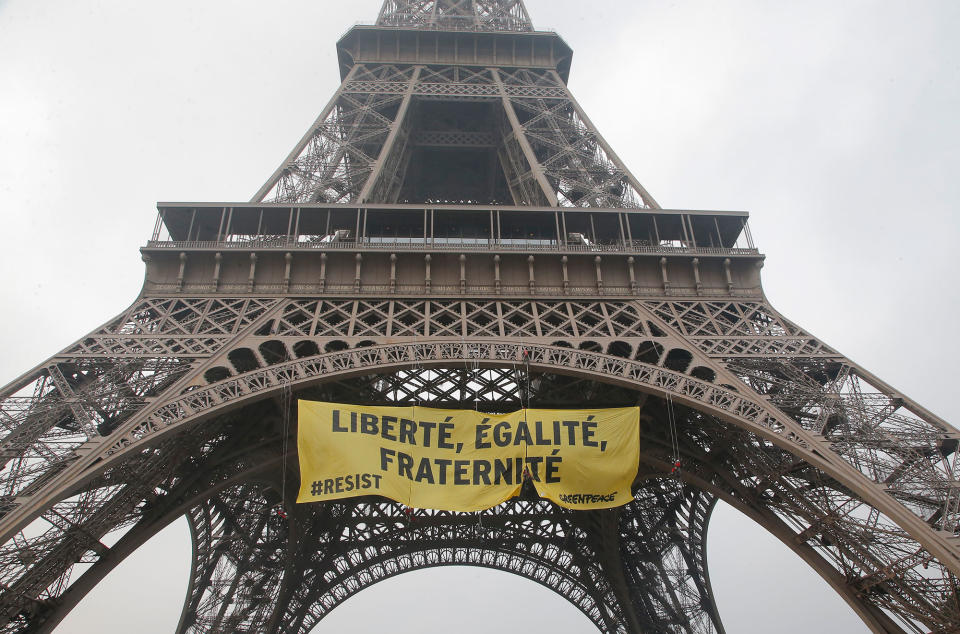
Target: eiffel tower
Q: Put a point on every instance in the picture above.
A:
(452, 230)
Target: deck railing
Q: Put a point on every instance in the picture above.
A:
(283, 244)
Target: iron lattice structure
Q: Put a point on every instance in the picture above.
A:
(453, 230)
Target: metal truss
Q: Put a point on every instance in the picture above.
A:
(183, 404)
(663, 547)
(335, 158)
(795, 497)
(239, 539)
(567, 320)
(732, 329)
(359, 150)
(890, 440)
(342, 548)
(582, 169)
(844, 539)
(124, 414)
(40, 566)
(468, 15)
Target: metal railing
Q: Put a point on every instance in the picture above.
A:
(284, 244)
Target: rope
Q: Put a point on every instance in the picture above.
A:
(286, 396)
(674, 438)
(471, 369)
(526, 360)
(417, 372)
(417, 369)
(526, 368)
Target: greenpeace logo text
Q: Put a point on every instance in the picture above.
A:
(586, 498)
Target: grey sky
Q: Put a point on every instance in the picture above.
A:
(835, 124)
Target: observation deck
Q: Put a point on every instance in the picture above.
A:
(447, 249)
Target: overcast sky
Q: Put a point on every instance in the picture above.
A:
(834, 123)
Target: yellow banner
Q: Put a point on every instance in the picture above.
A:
(462, 460)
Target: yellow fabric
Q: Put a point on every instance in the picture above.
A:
(462, 460)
